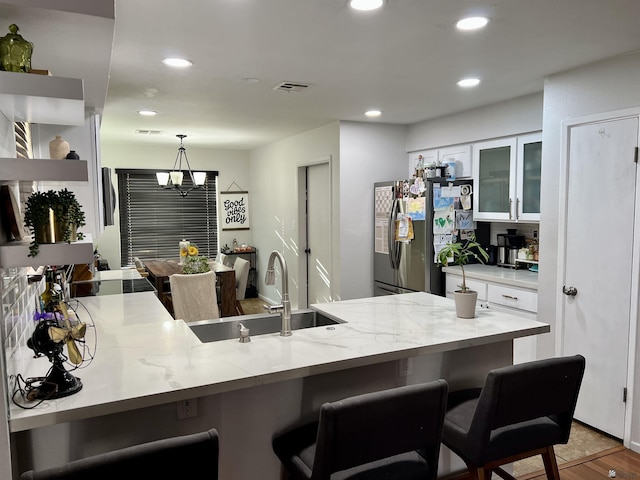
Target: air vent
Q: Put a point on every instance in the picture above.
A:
(292, 87)
(148, 132)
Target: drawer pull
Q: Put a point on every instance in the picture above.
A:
(510, 297)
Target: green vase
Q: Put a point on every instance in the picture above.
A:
(15, 51)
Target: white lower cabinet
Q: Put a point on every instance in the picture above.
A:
(497, 296)
(453, 283)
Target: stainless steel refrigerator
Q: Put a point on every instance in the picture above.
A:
(401, 265)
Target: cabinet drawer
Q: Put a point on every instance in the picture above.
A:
(453, 282)
(513, 297)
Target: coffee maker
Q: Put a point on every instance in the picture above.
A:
(508, 245)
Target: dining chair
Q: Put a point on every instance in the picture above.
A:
(194, 296)
(521, 411)
(140, 267)
(189, 456)
(374, 436)
(222, 258)
(241, 267)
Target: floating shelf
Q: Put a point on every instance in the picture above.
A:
(26, 97)
(45, 170)
(16, 254)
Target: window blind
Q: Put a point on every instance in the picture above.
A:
(154, 219)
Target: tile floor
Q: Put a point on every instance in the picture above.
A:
(583, 442)
(252, 305)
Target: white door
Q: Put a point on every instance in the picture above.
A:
(598, 253)
(318, 233)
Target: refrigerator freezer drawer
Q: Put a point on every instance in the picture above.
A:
(381, 289)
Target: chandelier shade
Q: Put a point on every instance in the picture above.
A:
(174, 178)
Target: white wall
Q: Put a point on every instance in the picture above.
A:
(369, 153)
(511, 117)
(232, 165)
(602, 87)
(273, 170)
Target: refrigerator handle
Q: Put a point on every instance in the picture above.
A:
(394, 251)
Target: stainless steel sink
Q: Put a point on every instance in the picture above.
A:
(259, 324)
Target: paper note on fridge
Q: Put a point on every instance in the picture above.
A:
(440, 202)
(450, 191)
(464, 220)
(416, 208)
(404, 228)
(443, 221)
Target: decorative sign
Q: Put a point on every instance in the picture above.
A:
(235, 210)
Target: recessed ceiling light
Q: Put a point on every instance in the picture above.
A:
(472, 23)
(373, 113)
(468, 82)
(250, 80)
(147, 113)
(365, 4)
(177, 62)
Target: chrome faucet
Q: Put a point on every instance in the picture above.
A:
(285, 306)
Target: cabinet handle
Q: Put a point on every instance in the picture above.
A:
(509, 297)
(517, 207)
(510, 205)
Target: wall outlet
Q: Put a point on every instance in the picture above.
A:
(405, 367)
(187, 408)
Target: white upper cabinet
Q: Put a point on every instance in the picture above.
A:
(529, 164)
(506, 175)
(461, 155)
(428, 157)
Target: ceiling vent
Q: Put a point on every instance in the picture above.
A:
(148, 132)
(292, 87)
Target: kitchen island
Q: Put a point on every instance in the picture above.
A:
(147, 364)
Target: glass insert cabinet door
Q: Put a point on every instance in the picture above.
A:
(494, 167)
(529, 175)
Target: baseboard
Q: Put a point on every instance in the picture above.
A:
(634, 446)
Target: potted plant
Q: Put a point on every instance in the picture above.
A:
(70, 211)
(52, 216)
(460, 253)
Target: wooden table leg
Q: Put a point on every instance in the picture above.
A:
(227, 293)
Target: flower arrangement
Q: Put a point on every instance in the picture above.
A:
(194, 263)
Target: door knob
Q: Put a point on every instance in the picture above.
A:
(571, 291)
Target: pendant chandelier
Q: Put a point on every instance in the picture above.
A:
(173, 179)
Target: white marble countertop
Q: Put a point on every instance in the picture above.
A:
(123, 274)
(146, 358)
(522, 278)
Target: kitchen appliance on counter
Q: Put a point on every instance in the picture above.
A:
(508, 245)
(403, 265)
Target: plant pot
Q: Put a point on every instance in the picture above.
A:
(465, 303)
(47, 233)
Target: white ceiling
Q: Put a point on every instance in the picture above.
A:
(404, 59)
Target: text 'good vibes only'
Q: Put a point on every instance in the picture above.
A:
(235, 211)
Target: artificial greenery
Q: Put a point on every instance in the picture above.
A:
(460, 253)
(67, 207)
(194, 263)
(67, 212)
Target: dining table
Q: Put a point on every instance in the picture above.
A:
(160, 270)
